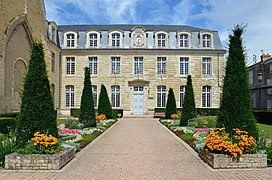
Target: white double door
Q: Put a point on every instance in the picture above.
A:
(138, 100)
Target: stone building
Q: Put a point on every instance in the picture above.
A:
(137, 63)
(260, 81)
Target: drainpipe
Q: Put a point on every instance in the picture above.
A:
(218, 68)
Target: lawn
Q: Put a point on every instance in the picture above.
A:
(264, 130)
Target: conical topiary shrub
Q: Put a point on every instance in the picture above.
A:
(104, 105)
(87, 112)
(171, 107)
(37, 109)
(235, 111)
(189, 110)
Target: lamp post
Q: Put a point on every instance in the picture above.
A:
(260, 77)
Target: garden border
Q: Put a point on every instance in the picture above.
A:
(194, 153)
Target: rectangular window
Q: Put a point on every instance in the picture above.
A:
(138, 65)
(53, 33)
(115, 65)
(53, 56)
(93, 40)
(183, 40)
(206, 40)
(115, 39)
(250, 75)
(93, 65)
(70, 96)
(161, 96)
(70, 65)
(206, 66)
(70, 40)
(115, 96)
(94, 91)
(161, 40)
(184, 66)
(161, 65)
(206, 96)
(181, 97)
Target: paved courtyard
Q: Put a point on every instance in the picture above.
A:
(138, 148)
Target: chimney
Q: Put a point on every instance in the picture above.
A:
(265, 56)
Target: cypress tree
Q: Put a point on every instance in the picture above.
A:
(171, 107)
(188, 110)
(235, 111)
(104, 105)
(37, 109)
(87, 112)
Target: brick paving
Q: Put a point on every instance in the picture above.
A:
(138, 148)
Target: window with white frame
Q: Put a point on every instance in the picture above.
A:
(184, 66)
(138, 65)
(183, 40)
(93, 39)
(69, 96)
(161, 40)
(93, 65)
(53, 34)
(115, 39)
(206, 40)
(53, 56)
(161, 65)
(206, 96)
(115, 96)
(70, 65)
(206, 66)
(181, 95)
(94, 91)
(161, 96)
(115, 65)
(70, 40)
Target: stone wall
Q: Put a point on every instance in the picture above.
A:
(221, 161)
(17, 161)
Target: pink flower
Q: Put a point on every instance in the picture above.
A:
(69, 131)
(202, 130)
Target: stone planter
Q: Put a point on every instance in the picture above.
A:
(221, 161)
(17, 161)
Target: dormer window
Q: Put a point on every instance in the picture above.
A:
(206, 40)
(183, 40)
(115, 40)
(93, 40)
(70, 40)
(53, 34)
(161, 40)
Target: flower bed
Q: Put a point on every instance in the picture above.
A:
(17, 161)
(222, 161)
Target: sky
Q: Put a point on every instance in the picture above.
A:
(217, 15)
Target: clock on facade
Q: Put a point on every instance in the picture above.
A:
(138, 40)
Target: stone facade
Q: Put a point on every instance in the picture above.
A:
(134, 92)
(22, 22)
(17, 161)
(221, 161)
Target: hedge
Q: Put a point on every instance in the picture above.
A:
(7, 125)
(263, 117)
(200, 111)
(11, 114)
(76, 111)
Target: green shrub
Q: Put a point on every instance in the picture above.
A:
(104, 105)
(87, 112)
(235, 111)
(6, 148)
(189, 110)
(37, 108)
(75, 112)
(186, 137)
(263, 117)
(171, 106)
(115, 113)
(159, 109)
(7, 125)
